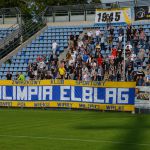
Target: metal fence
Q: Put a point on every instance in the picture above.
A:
(86, 12)
(69, 13)
(10, 16)
(81, 12)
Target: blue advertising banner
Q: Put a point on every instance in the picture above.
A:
(102, 95)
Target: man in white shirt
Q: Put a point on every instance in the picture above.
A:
(132, 56)
(97, 33)
(84, 69)
(93, 64)
(80, 43)
(41, 65)
(90, 34)
(86, 76)
(99, 73)
(54, 46)
(102, 41)
(120, 39)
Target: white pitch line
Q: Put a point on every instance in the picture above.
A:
(70, 139)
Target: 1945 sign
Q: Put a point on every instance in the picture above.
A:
(113, 16)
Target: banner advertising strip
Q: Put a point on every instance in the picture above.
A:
(71, 105)
(118, 96)
(67, 82)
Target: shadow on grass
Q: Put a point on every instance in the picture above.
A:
(131, 136)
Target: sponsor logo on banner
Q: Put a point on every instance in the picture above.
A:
(113, 16)
(72, 105)
(142, 97)
(142, 93)
(142, 13)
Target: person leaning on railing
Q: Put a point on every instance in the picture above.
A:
(21, 77)
(62, 71)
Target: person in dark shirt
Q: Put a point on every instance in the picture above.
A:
(9, 75)
(78, 72)
(111, 30)
(121, 31)
(140, 81)
(129, 31)
(33, 66)
(17, 76)
(71, 71)
(31, 75)
(71, 37)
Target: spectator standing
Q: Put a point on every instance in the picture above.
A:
(111, 30)
(129, 32)
(85, 57)
(97, 33)
(120, 40)
(21, 77)
(135, 42)
(54, 47)
(147, 78)
(90, 35)
(140, 81)
(62, 71)
(39, 58)
(9, 76)
(100, 75)
(121, 31)
(68, 56)
(71, 41)
(102, 42)
(93, 74)
(100, 60)
(142, 38)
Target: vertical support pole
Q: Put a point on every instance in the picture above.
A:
(124, 56)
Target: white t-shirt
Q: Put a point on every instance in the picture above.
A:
(73, 56)
(90, 33)
(93, 72)
(120, 38)
(133, 56)
(102, 39)
(54, 45)
(89, 60)
(41, 65)
(35, 72)
(85, 69)
(99, 71)
(97, 32)
(71, 61)
(93, 64)
(85, 77)
(80, 43)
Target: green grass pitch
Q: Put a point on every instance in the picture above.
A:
(29, 129)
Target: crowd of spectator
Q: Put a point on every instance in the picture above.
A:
(85, 60)
(92, 56)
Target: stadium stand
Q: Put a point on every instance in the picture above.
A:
(4, 32)
(84, 56)
(29, 60)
